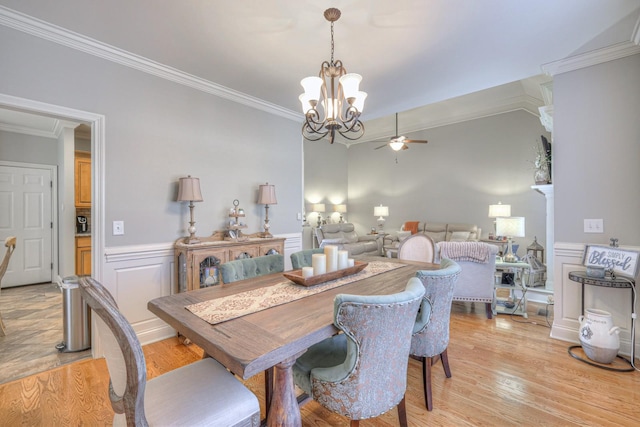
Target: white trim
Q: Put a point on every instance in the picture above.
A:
(134, 252)
(36, 27)
(598, 56)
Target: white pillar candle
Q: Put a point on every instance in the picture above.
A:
(343, 257)
(319, 264)
(331, 252)
(307, 272)
(351, 262)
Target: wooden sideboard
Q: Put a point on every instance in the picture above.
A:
(198, 264)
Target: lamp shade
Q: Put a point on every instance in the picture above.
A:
(499, 210)
(318, 207)
(340, 208)
(267, 195)
(189, 190)
(512, 226)
(381, 211)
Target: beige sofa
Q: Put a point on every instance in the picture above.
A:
(344, 236)
(438, 231)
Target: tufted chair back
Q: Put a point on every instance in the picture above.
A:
(303, 258)
(369, 376)
(431, 331)
(247, 268)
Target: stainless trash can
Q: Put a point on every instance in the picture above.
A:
(76, 317)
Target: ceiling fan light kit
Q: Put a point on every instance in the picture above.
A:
(398, 143)
(342, 101)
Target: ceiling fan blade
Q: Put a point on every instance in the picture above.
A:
(421, 141)
(405, 147)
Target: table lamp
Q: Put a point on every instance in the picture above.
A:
(381, 212)
(319, 209)
(266, 197)
(498, 210)
(511, 227)
(340, 209)
(189, 191)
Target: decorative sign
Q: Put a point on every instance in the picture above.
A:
(621, 261)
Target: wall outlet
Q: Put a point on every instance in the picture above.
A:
(593, 226)
(118, 228)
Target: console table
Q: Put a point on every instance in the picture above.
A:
(198, 263)
(607, 282)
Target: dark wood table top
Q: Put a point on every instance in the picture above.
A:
(255, 342)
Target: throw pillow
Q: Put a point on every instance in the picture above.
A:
(459, 236)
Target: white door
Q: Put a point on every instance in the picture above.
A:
(26, 212)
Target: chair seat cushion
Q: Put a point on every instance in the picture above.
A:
(325, 354)
(209, 395)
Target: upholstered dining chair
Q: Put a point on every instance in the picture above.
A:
(303, 258)
(10, 243)
(431, 332)
(203, 393)
(247, 268)
(362, 372)
(417, 247)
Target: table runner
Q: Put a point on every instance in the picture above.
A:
(230, 307)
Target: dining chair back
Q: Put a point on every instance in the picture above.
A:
(303, 258)
(247, 268)
(431, 332)
(202, 393)
(362, 372)
(417, 247)
(10, 243)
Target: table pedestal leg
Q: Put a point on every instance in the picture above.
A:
(284, 410)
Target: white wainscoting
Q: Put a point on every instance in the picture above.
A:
(568, 294)
(138, 274)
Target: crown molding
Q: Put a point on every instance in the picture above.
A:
(598, 56)
(44, 30)
(27, 130)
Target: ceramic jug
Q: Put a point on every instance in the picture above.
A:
(598, 336)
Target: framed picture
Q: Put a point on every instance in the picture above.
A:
(622, 261)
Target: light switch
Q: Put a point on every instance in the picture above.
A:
(593, 226)
(118, 228)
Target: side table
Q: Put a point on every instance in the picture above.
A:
(607, 282)
(520, 276)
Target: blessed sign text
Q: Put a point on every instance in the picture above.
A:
(621, 261)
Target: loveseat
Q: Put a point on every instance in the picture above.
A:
(345, 237)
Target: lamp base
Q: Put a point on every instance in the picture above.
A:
(265, 235)
(510, 258)
(190, 240)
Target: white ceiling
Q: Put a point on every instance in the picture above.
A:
(410, 53)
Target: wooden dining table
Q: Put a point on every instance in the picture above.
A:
(276, 336)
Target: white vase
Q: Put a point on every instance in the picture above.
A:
(598, 336)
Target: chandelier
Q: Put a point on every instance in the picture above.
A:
(338, 93)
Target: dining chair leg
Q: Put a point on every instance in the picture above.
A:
(268, 389)
(489, 310)
(402, 413)
(354, 423)
(445, 363)
(426, 380)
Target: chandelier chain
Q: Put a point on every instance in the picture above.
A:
(332, 43)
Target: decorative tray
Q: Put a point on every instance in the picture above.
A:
(296, 275)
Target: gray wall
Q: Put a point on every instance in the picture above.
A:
(158, 131)
(325, 178)
(597, 151)
(463, 169)
(17, 147)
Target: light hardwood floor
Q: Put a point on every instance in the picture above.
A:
(33, 319)
(505, 373)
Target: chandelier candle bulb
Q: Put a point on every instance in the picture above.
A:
(331, 252)
(319, 264)
(307, 271)
(343, 260)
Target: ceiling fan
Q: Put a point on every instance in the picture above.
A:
(398, 143)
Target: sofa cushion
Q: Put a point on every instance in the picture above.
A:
(472, 229)
(436, 236)
(459, 236)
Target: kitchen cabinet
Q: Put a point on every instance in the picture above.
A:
(83, 255)
(83, 179)
(198, 263)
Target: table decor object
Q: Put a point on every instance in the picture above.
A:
(296, 276)
(598, 336)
